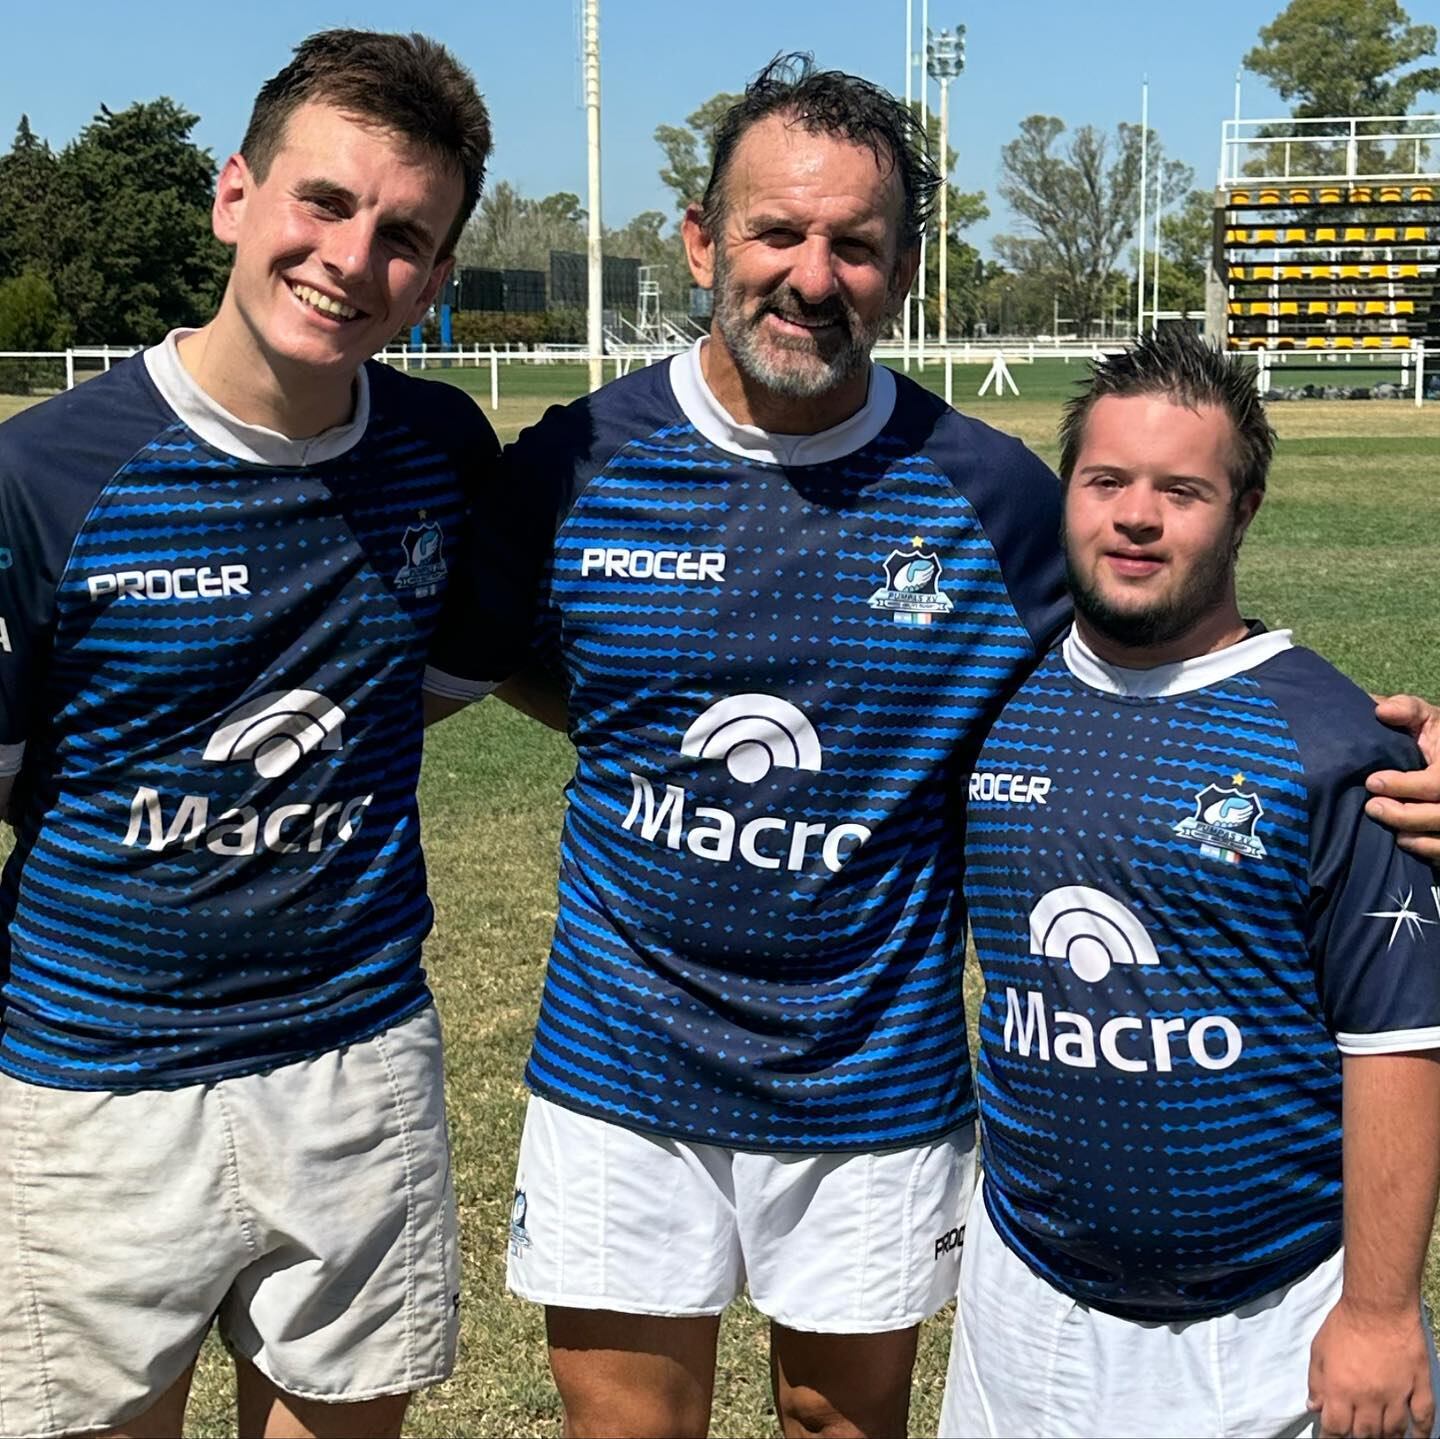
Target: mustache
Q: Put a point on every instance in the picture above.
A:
(788, 305)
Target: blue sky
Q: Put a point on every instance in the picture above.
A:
(660, 58)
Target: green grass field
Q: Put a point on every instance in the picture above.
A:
(1344, 551)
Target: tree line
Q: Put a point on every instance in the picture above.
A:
(108, 240)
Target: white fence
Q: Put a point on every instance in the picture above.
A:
(999, 357)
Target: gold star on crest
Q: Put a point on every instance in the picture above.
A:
(917, 541)
(1237, 779)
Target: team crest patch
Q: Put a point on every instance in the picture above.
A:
(911, 592)
(519, 1236)
(1224, 822)
(424, 565)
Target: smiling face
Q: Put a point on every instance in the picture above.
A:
(1152, 527)
(336, 248)
(806, 268)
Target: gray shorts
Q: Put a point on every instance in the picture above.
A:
(309, 1208)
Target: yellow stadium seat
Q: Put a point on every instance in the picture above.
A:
(1239, 197)
(1296, 237)
(1262, 272)
(1370, 342)
(1374, 307)
(1299, 197)
(1404, 307)
(1360, 195)
(1407, 272)
(1400, 342)
(1349, 272)
(1343, 342)
(1316, 342)
(1269, 197)
(1354, 232)
(1325, 235)
(1287, 307)
(1329, 195)
(1389, 194)
(1235, 237)
(1347, 307)
(1262, 237)
(1234, 308)
(1319, 272)
(1378, 272)
(1260, 307)
(1291, 272)
(1317, 307)
(1284, 342)
(1414, 232)
(1422, 193)
(1384, 232)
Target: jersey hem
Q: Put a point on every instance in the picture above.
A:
(967, 1119)
(453, 687)
(1282, 1275)
(243, 1071)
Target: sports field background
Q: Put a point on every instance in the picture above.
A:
(1344, 551)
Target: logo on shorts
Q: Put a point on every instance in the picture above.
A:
(949, 1241)
(519, 1237)
(424, 565)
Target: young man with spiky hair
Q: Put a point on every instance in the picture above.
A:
(1210, 1040)
(226, 570)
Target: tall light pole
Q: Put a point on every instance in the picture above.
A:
(594, 338)
(925, 131)
(947, 60)
(909, 96)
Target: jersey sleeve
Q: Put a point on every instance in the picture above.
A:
(497, 618)
(1374, 908)
(27, 605)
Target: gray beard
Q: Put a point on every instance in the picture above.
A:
(821, 366)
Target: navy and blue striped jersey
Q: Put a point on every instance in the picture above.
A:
(212, 642)
(781, 652)
(1184, 920)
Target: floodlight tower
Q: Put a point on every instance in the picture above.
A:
(594, 338)
(947, 59)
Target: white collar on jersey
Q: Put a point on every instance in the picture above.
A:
(253, 443)
(713, 421)
(1176, 679)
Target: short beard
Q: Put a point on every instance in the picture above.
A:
(816, 367)
(1205, 590)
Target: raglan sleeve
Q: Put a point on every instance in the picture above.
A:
(1375, 916)
(27, 603)
(495, 618)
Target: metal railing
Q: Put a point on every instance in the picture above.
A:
(1338, 150)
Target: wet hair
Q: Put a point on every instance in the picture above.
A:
(845, 107)
(408, 84)
(1177, 363)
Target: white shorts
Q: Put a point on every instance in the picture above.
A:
(310, 1207)
(605, 1218)
(1029, 1360)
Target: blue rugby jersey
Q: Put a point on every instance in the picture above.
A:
(781, 653)
(1184, 920)
(211, 661)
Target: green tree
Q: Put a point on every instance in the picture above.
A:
(690, 149)
(1187, 238)
(1345, 57)
(27, 177)
(30, 319)
(511, 232)
(1079, 202)
(132, 253)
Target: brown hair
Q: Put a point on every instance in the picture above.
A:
(408, 84)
